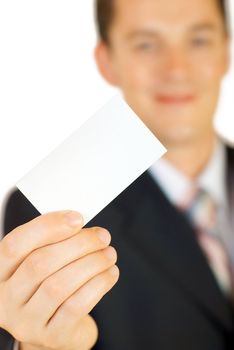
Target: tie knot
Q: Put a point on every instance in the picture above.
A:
(201, 209)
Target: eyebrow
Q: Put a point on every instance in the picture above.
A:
(204, 26)
(155, 33)
(140, 33)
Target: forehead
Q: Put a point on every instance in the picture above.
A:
(132, 14)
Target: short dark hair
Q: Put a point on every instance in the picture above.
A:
(105, 13)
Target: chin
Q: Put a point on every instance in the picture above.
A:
(176, 136)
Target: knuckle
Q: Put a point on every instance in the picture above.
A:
(50, 222)
(52, 288)
(36, 265)
(9, 246)
(70, 308)
(46, 222)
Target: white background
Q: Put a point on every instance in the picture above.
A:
(49, 84)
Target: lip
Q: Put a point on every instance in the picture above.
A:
(175, 99)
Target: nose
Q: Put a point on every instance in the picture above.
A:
(176, 65)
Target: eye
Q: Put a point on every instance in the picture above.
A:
(146, 46)
(201, 42)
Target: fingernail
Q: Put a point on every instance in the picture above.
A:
(114, 270)
(74, 218)
(104, 236)
(110, 253)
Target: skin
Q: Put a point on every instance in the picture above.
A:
(170, 74)
(54, 273)
(169, 61)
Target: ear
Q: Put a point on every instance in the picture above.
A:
(104, 62)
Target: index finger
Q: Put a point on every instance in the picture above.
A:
(43, 230)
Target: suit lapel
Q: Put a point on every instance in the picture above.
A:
(230, 182)
(163, 235)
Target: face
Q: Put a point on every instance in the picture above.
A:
(168, 58)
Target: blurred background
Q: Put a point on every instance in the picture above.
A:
(49, 84)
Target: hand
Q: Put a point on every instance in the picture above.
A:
(52, 274)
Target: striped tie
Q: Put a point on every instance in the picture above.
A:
(201, 210)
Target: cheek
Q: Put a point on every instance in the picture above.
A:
(135, 83)
(209, 71)
(133, 77)
(210, 76)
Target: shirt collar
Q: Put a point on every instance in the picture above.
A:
(212, 179)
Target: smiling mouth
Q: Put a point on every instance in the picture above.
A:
(175, 99)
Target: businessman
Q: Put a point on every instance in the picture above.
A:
(172, 228)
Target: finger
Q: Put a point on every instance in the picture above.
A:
(74, 309)
(82, 336)
(45, 261)
(46, 229)
(60, 286)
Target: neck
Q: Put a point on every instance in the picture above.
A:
(191, 159)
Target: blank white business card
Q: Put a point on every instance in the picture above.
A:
(95, 164)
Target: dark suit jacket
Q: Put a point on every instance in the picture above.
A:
(167, 297)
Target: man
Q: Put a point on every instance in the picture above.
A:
(171, 227)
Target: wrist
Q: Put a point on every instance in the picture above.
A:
(24, 346)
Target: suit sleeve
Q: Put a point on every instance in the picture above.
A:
(18, 210)
(6, 340)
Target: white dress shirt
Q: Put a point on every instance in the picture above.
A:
(212, 179)
(16, 346)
